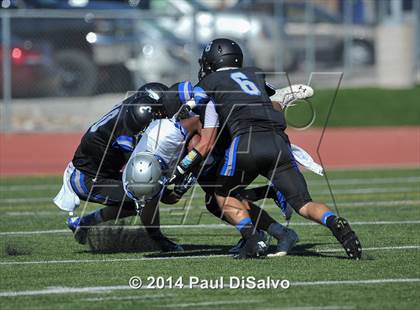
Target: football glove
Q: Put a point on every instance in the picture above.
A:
(287, 95)
(184, 185)
(185, 110)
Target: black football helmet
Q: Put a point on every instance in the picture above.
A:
(144, 106)
(154, 91)
(220, 53)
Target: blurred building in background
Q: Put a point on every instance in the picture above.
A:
(56, 50)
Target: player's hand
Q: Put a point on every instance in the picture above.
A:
(184, 185)
(184, 112)
(177, 176)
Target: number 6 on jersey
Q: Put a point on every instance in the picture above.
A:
(246, 85)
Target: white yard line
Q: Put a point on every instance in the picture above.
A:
(385, 203)
(110, 260)
(34, 232)
(330, 307)
(21, 187)
(368, 190)
(352, 191)
(114, 260)
(356, 181)
(403, 247)
(122, 298)
(32, 213)
(336, 181)
(210, 303)
(100, 289)
(359, 282)
(25, 200)
(64, 290)
(198, 226)
(268, 205)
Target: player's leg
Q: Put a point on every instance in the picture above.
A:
(244, 168)
(110, 192)
(236, 174)
(260, 218)
(236, 213)
(150, 218)
(102, 191)
(287, 178)
(268, 191)
(286, 237)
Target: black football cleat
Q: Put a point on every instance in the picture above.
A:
(236, 248)
(347, 237)
(254, 247)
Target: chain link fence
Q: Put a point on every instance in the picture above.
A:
(61, 69)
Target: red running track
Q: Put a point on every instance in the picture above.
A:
(48, 153)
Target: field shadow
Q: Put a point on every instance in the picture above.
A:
(120, 240)
(306, 250)
(112, 240)
(195, 250)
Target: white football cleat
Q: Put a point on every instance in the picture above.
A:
(287, 95)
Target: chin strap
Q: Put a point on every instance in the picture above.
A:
(140, 204)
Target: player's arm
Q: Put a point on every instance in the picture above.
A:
(277, 106)
(271, 91)
(201, 150)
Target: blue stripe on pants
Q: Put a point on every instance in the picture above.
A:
(229, 166)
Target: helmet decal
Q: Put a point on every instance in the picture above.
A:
(208, 47)
(152, 94)
(219, 53)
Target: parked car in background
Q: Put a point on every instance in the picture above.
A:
(90, 52)
(161, 55)
(33, 69)
(251, 32)
(328, 30)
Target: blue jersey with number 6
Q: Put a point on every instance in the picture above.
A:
(241, 100)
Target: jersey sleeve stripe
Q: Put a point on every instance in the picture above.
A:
(200, 96)
(125, 142)
(185, 91)
(126, 147)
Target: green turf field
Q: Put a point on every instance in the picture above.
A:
(361, 107)
(41, 266)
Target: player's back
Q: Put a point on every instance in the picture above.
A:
(242, 101)
(104, 146)
(165, 138)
